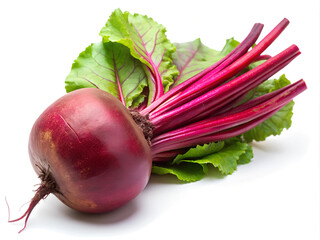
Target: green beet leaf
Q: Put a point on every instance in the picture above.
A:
(193, 165)
(193, 57)
(231, 44)
(246, 156)
(187, 172)
(147, 42)
(199, 151)
(226, 159)
(110, 67)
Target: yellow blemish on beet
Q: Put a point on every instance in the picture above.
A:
(46, 137)
(88, 203)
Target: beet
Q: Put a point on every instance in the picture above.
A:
(89, 152)
(95, 154)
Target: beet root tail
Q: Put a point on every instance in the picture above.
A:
(46, 187)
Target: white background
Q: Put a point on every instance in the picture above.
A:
(274, 197)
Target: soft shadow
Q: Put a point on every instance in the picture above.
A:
(65, 220)
(113, 217)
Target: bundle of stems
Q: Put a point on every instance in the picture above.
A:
(209, 106)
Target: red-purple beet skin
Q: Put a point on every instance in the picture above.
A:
(93, 149)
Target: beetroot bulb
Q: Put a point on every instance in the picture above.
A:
(89, 152)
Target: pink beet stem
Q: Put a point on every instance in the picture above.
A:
(215, 78)
(182, 138)
(244, 82)
(232, 56)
